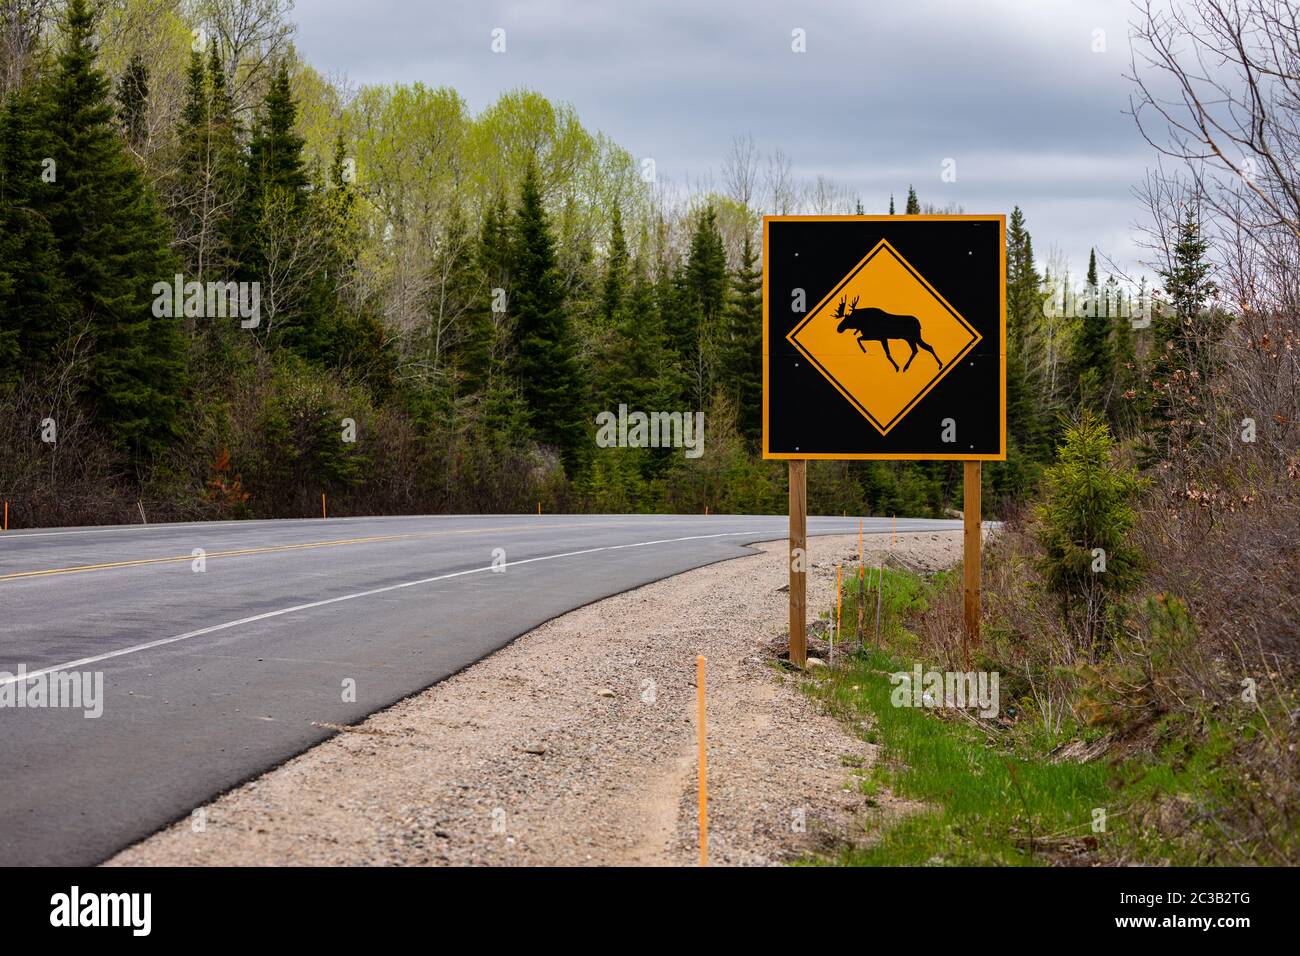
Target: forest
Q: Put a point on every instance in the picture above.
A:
(446, 301)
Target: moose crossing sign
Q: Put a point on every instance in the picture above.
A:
(884, 337)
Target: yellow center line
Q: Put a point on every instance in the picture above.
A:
(282, 547)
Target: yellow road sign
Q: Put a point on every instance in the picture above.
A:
(884, 337)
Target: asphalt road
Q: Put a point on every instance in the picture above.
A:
(212, 677)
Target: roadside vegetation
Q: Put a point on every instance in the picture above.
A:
(1136, 723)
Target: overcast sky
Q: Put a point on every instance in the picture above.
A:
(1012, 90)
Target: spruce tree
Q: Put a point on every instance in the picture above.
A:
(112, 243)
(1183, 330)
(275, 238)
(1024, 312)
(546, 364)
(1094, 359)
(33, 301)
(133, 102)
(913, 204)
(697, 326)
(742, 351)
(615, 269)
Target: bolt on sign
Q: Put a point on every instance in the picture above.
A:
(884, 337)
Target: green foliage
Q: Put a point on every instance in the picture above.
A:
(133, 102)
(742, 345)
(1185, 329)
(33, 299)
(1085, 520)
(111, 242)
(545, 363)
(983, 805)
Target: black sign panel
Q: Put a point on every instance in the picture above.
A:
(884, 337)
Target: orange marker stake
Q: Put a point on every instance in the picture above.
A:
(322, 506)
(861, 572)
(539, 508)
(839, 610)
(704, 792)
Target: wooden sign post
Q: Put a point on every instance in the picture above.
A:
(798, 561)
(972, 529)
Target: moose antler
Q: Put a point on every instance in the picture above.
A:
(839, 309)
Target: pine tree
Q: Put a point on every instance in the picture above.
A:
(33, 299)
(697, 327)
(1025, 396)
(133, 102)
(275, 151)
(546, 363)
(1086, 516)
(742, 352)
(913, 204)
(615, 269)
(277, 242)
(1183, 332)
(891, 204)
(631, 363)
(1094, 359)
(112, 242)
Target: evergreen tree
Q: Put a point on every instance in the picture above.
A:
(112, 244)
(1093, 360)
(133, 102)
(33, 299)
(697, 326)
(742, 351)
(615, 269)
(913, 204)
(1183, 330)
(673, 300)
(891, 204)
(1084, 524)
(546, 364)
(1025, 396)
(276, 237)
(631, 364)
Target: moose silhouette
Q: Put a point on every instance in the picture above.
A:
(877, 325)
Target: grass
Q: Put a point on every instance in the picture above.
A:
(983, 799)
(1193, 791)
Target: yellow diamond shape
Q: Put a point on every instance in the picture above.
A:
(895, 307)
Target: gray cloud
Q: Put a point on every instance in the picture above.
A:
(886, 91)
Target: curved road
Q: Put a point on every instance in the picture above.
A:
(213, 676)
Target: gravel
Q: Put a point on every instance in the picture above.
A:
(576, 745)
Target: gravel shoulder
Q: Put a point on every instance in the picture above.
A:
(575, 745)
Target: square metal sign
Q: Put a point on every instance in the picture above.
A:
(884, 337)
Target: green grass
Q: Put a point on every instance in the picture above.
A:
(1192, 790)
(985, 802)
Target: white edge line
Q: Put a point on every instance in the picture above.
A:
(121, 652)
